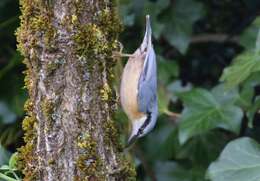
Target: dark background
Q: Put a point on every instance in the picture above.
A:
(194, 41)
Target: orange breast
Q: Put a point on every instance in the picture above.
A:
(129, 86)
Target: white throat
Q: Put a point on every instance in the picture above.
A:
(136, 125)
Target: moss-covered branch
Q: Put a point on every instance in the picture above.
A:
(69, 129)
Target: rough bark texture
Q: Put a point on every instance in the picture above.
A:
(69, 129)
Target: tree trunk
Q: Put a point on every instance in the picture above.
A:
(69, 129)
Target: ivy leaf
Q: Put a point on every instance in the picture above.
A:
(132, 12)
(206, 110)
(257, 45)
(224, 96)
(249, 36)
(202, 150)
(168, 171)
(180, 20)
(239, 161)
(4, 155)
(253, 109)
(177, 87)
(243, 66)
(246, 100)
(169, 145)
(162, 138)
(13, 160)
(126, 12)
(154, 8)
(167, 70)
(163, 100)
(4, 168)
(6, 115)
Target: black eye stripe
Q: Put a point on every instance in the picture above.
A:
(146, 123)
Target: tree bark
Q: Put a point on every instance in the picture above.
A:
(69, 129)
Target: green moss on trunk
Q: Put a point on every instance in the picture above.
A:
(94, 31)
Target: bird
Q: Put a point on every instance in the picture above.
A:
(138, 89)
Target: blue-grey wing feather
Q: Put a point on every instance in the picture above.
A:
(147, 96)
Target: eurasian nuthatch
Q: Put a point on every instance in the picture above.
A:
(138, 90)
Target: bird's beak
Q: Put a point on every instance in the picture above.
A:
(147, 41)
(131, 140)
(134, 132)
(148, 31)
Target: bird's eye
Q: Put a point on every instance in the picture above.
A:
(140, 131)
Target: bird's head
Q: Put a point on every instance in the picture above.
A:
(142, 126)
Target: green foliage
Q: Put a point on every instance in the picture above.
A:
(169, 70)
(201, 149)
(9, 172)
(240, 161)
(168, 171)
(247, 100)
(174, 23)
(212, 114)
(179, 32)
(12, 96)
(4, 155)
(247, 63)
(249, 36)
(206, 110)
(243, 66)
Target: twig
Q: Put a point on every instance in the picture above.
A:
(173, 115)
(146, 166)
(203, 38)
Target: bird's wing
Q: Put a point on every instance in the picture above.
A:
(147, 85)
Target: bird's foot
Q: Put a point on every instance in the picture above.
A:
(118, 54)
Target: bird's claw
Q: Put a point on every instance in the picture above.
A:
(116, 54)
(119, 54)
